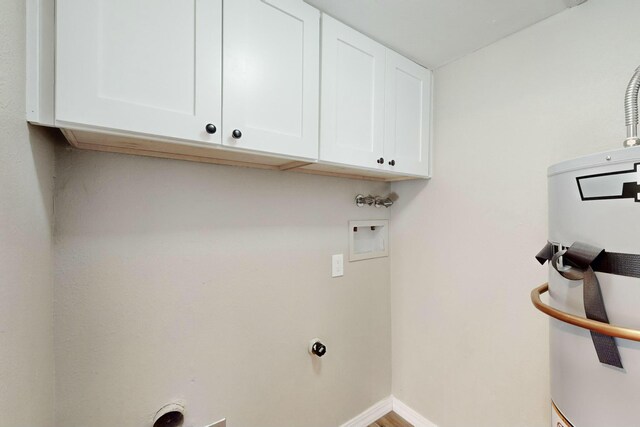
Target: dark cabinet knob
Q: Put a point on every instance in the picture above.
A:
(392, 162)
(210, 128)
(318, 349)
(380, 160)
(236, 134)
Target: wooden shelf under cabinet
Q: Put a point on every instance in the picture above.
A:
(126, 144)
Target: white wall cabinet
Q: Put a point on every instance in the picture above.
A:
(407, 116)
(375, 104)
(151, 67)
(234, 82)
(271, 76)
(154, 67)
(353, 86)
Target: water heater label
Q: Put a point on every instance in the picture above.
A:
(557, 418)
(624, 184)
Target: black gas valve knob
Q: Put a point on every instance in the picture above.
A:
(317, 348)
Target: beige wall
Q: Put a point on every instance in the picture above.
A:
(204, 283)
(468, 347)
(26, 211)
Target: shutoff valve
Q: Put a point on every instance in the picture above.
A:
(317, 348)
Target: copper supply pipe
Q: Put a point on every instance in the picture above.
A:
(581, 322)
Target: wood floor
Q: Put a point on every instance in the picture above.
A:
(391, 420)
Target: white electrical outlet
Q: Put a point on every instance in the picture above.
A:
(337, 265)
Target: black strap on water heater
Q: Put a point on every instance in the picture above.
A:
(618, 263)
(579, 262)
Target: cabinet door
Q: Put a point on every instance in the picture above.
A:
(145, 66)
(271, 76)
(408, 116)
(352, 100)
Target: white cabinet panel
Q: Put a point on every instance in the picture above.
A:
(146, 66)
(408, 113)
(352, 99)
(271, 76)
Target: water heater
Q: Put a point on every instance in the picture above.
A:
(594, 289)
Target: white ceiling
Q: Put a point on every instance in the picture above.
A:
(434, 32)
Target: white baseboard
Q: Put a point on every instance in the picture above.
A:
(385, 406)
(371, 414)
(409, 414)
